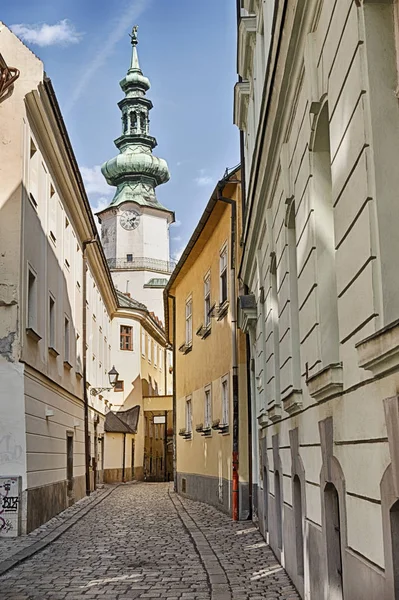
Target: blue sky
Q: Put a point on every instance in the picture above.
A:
(186, 48)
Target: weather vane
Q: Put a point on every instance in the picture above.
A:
(133, 35)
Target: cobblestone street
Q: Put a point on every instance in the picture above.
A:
(143, 541)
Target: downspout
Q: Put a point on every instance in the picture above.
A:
(84, 360)
(233, 308)
(165, 469)
(249, 409)
(174, 391)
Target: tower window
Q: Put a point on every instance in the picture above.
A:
(143, 123)
(133, 122)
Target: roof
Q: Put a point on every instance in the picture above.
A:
(125, 421)
(217, 192)
(125, 301)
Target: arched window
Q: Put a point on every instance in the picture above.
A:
(133, 122)
(143, 123)
(124, 123)
(333, 538)
(394, 522)
(265, 498)
(298, 517)
(325, 242)
(278, 509)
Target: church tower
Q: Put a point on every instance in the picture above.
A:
(135, 226)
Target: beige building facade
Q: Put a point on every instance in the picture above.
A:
(317, 107)
(63, 325)
(208, 354)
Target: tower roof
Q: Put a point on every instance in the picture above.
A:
(135, 171)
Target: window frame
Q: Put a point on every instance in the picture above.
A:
(121, 387)
(207, 299)
(126, 337)
(225, 384)
(189, 414)
(208, 406)
(189, 320)
(223, 276)
(67, 339)
(143, 343)
(52, 322)
(31, 299)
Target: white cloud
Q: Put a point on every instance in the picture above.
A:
(176, 223)
(95, 182)
(121, 26)
(43, 34)
(176, 254)
(177, 238)
(203, 180)
(99, 205)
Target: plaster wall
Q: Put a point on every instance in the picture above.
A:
(343, 54)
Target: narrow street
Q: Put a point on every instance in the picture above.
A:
(143, 541)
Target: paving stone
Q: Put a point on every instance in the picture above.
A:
(142, 541)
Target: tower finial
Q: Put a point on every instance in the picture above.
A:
(133, 35)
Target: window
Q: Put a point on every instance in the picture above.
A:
(208, 408)
(143, 343)
(155, 355)
(129, 258)
(32, 300)
(126, 337)
(223, 275)
(207, 299)
(149, 350)
(189, 322)
(66, 339)
(51, 322)
(188, 415)
(33, 174)
(53, 203)
(225, 400)
(119, 386)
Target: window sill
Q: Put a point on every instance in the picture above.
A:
(67, 365)
(326, 383)
(292, 402)
(274, 413)
(126, 349)
(53, 351)
(207, 332)
(33, 334)
(223, 309)
(79, 374)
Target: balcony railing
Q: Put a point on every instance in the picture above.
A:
(142, 263)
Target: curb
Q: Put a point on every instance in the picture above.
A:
(217, 578)
(22, 555)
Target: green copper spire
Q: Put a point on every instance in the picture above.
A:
(135, 171)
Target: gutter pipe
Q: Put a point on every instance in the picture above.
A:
(233, 308)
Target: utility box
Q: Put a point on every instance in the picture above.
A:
(10, 506)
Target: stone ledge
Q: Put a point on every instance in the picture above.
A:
(274, 413)
(292, 402)
(326, 383)
(379, 353)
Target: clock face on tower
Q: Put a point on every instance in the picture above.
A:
(130, 219)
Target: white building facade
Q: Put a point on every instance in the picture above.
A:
(44, 224)
(316, 103)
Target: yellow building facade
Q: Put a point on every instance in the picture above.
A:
(210, 384)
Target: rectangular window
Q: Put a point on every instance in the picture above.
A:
(33, 174)
(149, 349)
(126, 337)
(52, 220)
(208, 408)
(207, 299)
(188, 415)
(32, 300)
(66, 339)
(155, 355)
(143, 343)
(225, 400)
(51, 322)
(223, 275)
(119, 386)
(189, 322)
(129, 258)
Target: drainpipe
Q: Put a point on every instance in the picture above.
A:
(249, 412)
(84, 359)
(233, 308)
(174, 390)
(124, 458)
(165, 469)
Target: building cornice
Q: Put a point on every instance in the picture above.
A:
(242, 91)
(246, 45)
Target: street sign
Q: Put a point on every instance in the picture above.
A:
(160, 419)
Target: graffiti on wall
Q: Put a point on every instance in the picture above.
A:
(9, 506)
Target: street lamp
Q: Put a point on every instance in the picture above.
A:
(113, 378)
